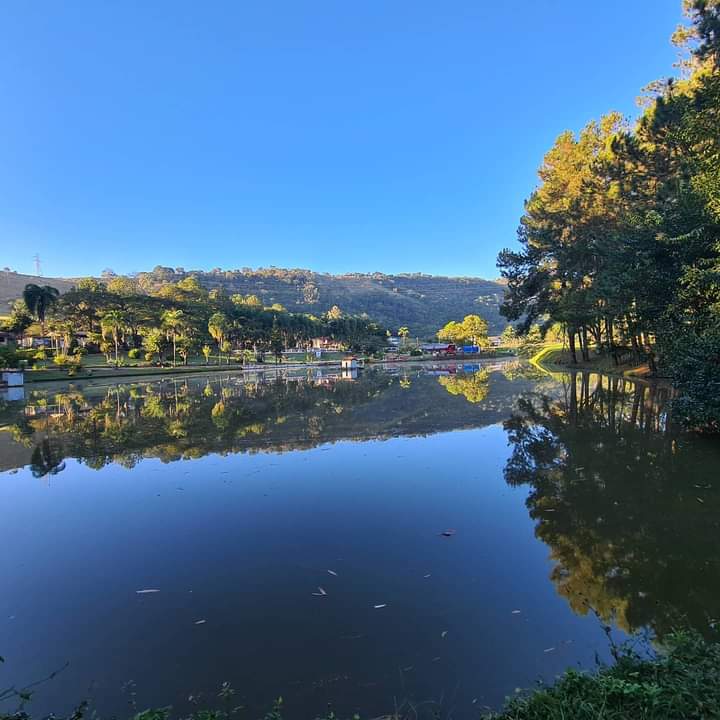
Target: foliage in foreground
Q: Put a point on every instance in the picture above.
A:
(682, 682)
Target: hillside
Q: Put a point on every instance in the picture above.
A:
(424, 303)
(12, 285)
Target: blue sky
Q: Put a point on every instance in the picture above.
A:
(394, 136)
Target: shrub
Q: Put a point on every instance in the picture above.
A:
(9, 358)
(67, 361)
(134, 354)
(682, 682)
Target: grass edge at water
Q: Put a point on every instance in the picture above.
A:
(681, 681)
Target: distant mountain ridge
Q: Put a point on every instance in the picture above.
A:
(423, 303)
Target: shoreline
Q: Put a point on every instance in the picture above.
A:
(33, 377)
(553, 359)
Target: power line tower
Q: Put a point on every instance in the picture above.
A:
(36, 258)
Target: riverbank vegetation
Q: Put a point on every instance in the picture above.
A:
(679, 683)
(620, 241)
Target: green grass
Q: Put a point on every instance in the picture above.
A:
(548, 352)
(557, 357)
(682, 682)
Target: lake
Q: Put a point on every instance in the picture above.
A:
(426, 537)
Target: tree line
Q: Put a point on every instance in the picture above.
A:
(178, 320)
(620, 241)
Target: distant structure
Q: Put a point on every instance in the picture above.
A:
(36, 258)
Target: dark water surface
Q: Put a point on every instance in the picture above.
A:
(566, 500)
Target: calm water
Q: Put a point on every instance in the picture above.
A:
(294, 530)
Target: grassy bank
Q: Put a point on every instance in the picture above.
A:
(556, 357)
(682, 681)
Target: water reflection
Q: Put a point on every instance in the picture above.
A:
(625, 505)
(189, 418)
(629, 508)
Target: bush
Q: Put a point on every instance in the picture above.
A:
(682, 682)
(134, 354)
(9, 358)
(67, 361)
(693, 359)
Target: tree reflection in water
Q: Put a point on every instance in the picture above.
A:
(184, 418)
(47, 458)
(629, 507)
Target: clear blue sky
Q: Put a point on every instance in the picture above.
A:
(390, 135)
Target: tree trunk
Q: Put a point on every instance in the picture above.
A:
(571, 343)
(651, 362)
(611, 340)
(585, 351)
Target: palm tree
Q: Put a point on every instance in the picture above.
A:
(173, 321)
(218, 327)
(47, 459)
(403, 333)
(112, 323)
(39, 299)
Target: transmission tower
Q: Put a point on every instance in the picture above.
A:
(36, 258)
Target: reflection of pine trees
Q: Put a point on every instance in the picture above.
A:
(629, 508)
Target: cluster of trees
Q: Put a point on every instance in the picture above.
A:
(620, 242)
(180, 320)
(472, 328)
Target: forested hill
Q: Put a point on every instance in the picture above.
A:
(423, 303)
